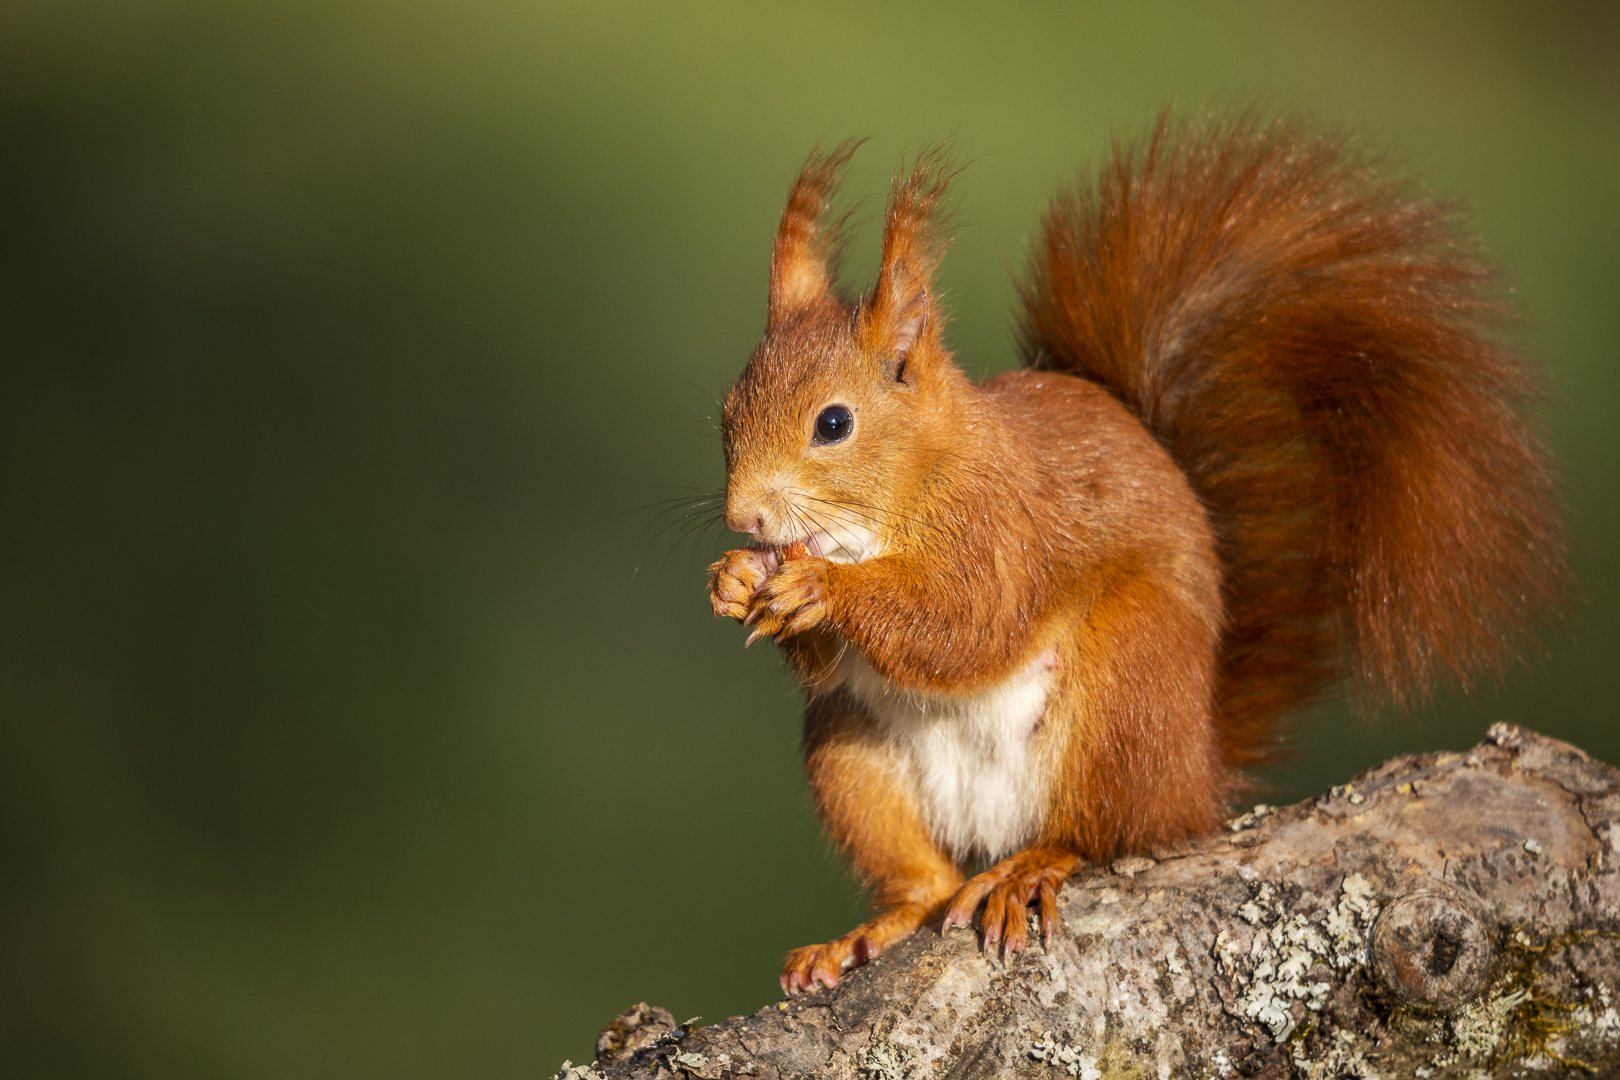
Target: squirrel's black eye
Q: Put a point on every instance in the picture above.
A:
(834, 423)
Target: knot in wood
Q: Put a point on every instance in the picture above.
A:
(1431, 951)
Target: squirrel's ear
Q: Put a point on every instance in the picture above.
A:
(801, 263)
(902, 311)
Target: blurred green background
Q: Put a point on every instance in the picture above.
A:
(353, 720)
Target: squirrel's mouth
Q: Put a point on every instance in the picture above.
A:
(820, 545)
(816, 545)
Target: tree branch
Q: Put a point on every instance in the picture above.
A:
(1444, 915)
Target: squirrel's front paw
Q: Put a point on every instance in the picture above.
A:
(791, 601)
(735, 577)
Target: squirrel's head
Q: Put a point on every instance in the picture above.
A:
(844, 408)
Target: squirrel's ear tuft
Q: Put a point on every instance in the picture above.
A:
(801, 261)
(902, 311)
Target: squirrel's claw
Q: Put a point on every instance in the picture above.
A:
(765, 623)
(816, 964)
(804, 619)
(1006, 890)
(1049, 913)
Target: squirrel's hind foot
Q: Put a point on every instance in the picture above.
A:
(1007, 889)
(826, 964)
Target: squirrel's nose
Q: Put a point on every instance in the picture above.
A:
(751, 522)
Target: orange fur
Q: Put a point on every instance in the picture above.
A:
(1264, 441)
(877, 824)
(1309, 340)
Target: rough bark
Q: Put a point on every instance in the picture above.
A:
(1445, 915)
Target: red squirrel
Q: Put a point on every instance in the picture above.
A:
(1264, 439)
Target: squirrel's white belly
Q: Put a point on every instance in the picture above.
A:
(974, 762)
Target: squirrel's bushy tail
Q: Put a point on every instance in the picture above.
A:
(1314, 347)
